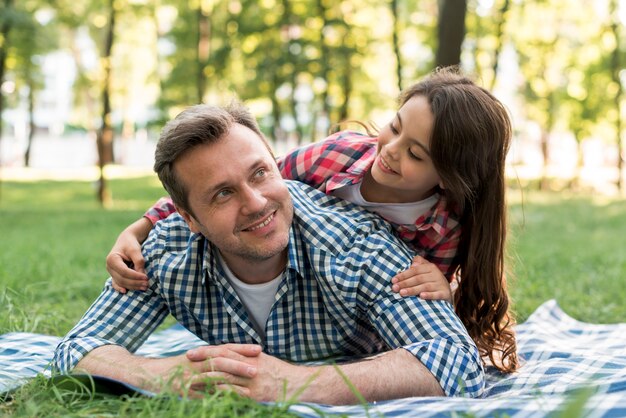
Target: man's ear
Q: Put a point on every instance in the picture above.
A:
(188, 217)
(441, 185)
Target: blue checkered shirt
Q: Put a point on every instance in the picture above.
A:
(334, 299)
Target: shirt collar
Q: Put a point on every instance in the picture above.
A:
(210, 262)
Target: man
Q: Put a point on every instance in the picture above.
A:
(268, 271)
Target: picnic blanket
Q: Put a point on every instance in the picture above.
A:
(564, 361)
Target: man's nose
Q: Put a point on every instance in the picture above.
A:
(252, 200)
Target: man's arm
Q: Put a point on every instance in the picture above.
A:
(391, 375)
(124, 320)
(119, 319)
(175, 373)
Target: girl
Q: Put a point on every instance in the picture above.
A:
(436, 172)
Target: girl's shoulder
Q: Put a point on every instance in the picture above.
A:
(351, 139)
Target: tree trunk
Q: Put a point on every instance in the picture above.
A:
(501, 19)
(204, 50)
(31, 121)
(450, 32)
(615, 70)
(4, 35)
(396, 42)
(104, 138)
(325, 69)
(544, 183)
(347, 91)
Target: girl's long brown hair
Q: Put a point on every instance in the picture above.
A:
(470, 140)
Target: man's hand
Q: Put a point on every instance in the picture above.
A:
(423, 279)
(125, 263)
(263, 377)
(253, 374)
(225, 368)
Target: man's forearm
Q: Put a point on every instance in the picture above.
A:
(392, 375)
(117, 363)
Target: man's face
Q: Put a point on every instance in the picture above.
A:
(239, 201)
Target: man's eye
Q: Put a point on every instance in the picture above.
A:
(261, 172)
(222, 194)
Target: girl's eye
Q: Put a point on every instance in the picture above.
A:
(393, 129)
(414, 156)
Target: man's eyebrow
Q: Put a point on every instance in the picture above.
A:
(413, 140)
(227, 183)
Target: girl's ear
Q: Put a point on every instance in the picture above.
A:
(441, 186)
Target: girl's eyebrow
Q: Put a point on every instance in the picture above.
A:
(413, 140)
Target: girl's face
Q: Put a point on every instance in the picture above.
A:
(403, 169)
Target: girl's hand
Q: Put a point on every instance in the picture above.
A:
(423, 279)
(125, 263)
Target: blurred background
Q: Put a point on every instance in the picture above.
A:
(87, 85)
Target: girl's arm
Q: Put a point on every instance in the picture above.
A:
(125, 261)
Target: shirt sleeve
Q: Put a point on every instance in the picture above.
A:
(301, 163)
(115, 318)
(163, 208)
(428, 329)
(442, 251)
(314, 164)
(431, 331)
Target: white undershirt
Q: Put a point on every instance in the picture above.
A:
(398, 213)
(256, 298)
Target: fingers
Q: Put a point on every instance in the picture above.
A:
(419, 260)
(213, 381)
(123, 276)
(418, 289)
(437, 295)
(235, 370)
(413, 271)
(234, 359)
(234, 351)
(118, 288)
(422, 279)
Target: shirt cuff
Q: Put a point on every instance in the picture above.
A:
(458, 368)
(70, 351)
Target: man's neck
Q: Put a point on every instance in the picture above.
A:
(256, 271)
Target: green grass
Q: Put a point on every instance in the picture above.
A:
(569, 248)
(54, 241)
(54, 238)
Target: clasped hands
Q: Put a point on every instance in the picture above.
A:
(242, 368)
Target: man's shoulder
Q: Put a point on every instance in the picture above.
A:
(169, 235)
(335, 224)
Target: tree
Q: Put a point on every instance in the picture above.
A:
(6, 22)
(450, 32)
(104, 139)
(31, 38)
(395, 41)
(615, 69)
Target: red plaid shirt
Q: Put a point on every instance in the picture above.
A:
(343, 159)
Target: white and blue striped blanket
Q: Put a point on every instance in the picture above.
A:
(562, 358)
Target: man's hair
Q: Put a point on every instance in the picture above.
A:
(196, 125)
